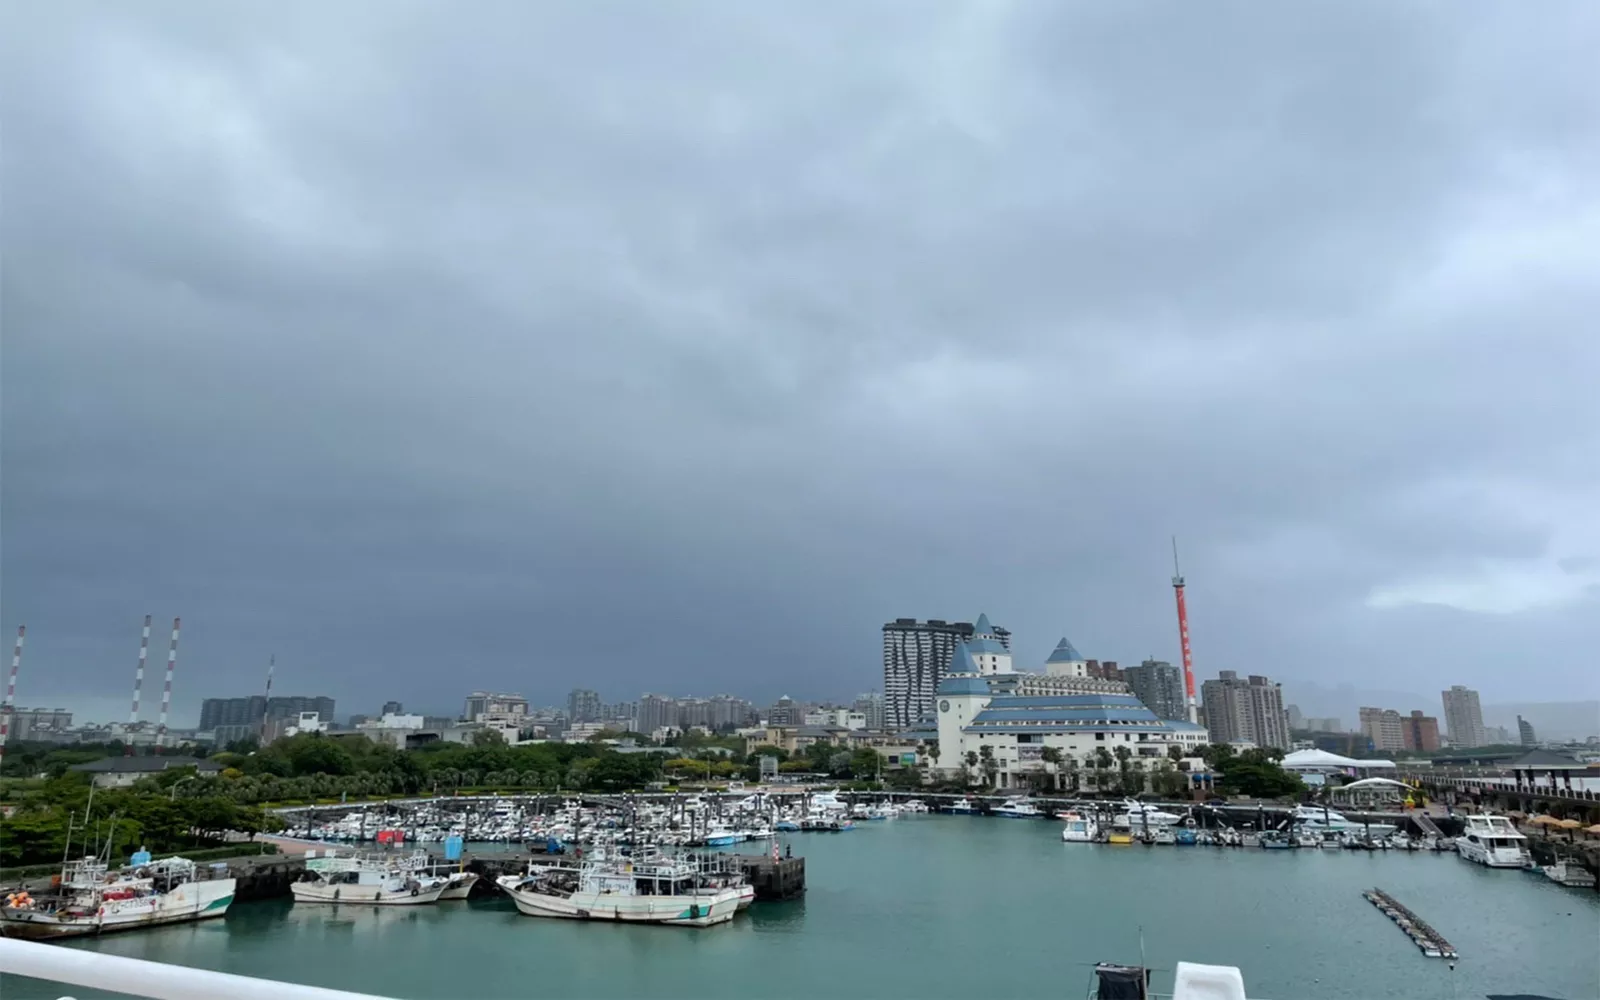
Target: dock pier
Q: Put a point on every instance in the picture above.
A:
(1430, 941)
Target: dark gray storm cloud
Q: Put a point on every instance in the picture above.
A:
(438, 346)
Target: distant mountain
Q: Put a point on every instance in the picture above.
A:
(1551, 720)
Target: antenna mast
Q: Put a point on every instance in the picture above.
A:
(9, 707)
(138, 683)
(1183, 634)
(166, 692)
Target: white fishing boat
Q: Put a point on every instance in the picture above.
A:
(90, 899)
(387, 881)
(458, 885)
(655, 891)
(1493, 841)
(1078, 828)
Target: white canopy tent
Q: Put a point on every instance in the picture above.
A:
(1323, 762)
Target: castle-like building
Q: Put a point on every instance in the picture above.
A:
(983, 702)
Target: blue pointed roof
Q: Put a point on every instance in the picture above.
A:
(1065, 653)
(983, 627)
(961, 660)
(987, 645)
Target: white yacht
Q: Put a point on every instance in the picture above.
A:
(1137, 815)
(1017, 807)
(1320, 818)
(1078, 828)
(1492, 840)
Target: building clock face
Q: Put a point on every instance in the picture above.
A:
(944, 706)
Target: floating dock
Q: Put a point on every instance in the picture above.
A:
(1425, 937)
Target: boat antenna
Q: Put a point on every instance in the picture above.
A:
(66, 848)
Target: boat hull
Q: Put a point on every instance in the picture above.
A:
(314, 892)
(459, 888)
(678, 911)
(190, 902)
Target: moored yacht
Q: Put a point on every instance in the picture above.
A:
(1137, 815)
(1078, 828)
(1321, 818)
(1017, 807)
(1491, 840)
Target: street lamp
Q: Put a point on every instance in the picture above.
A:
(173, 788)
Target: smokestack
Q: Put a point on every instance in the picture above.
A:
(166, 692)
(138, 683)
(1183, 634)
(8, 707)
(266, 703)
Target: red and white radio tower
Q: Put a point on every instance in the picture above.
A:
(9, 706)
(138, 682)
(166, 693)
(1183, 634)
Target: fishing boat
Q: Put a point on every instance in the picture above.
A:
(656, 891)
(91, 899)
(458, 885)
(386, 881)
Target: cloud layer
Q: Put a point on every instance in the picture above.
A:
(524, 346)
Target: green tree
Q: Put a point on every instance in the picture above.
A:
(865, 763)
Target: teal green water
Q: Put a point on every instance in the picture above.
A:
(961, 907)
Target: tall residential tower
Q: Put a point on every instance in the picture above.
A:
(915, 656)
(1463, 716)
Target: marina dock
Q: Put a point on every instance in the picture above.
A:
(1430, 941)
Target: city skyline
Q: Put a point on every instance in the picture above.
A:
(736, 349)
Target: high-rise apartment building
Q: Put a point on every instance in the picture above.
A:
(230, 719)
(1421, 731)
(1159, 685)
(871, 706)
(1248, 710)
(1383, 729)
(583, 705)
(915, 658)
(1105, 670)
(1525, 733)
(656, 711)
(785, 712)
(490, 703)
(1463, 716)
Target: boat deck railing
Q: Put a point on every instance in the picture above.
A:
(155, 980)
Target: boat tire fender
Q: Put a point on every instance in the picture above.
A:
(415, 890)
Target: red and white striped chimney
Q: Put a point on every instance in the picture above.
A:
(166, 691)
(9, 706)
(138, 684)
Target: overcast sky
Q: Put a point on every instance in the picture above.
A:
(679, 346)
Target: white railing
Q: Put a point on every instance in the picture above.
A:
(149, 979)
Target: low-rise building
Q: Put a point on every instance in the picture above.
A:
(119, 772)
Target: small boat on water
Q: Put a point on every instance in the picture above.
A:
(1569, 874)
(659, 890)
(91, 899)
(1017, 807)
(458, 885)
(372, 879)
(1078, 828)
(964, 806)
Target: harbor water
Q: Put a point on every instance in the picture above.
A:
(949, 906)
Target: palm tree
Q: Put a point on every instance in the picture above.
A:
(967, 766)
